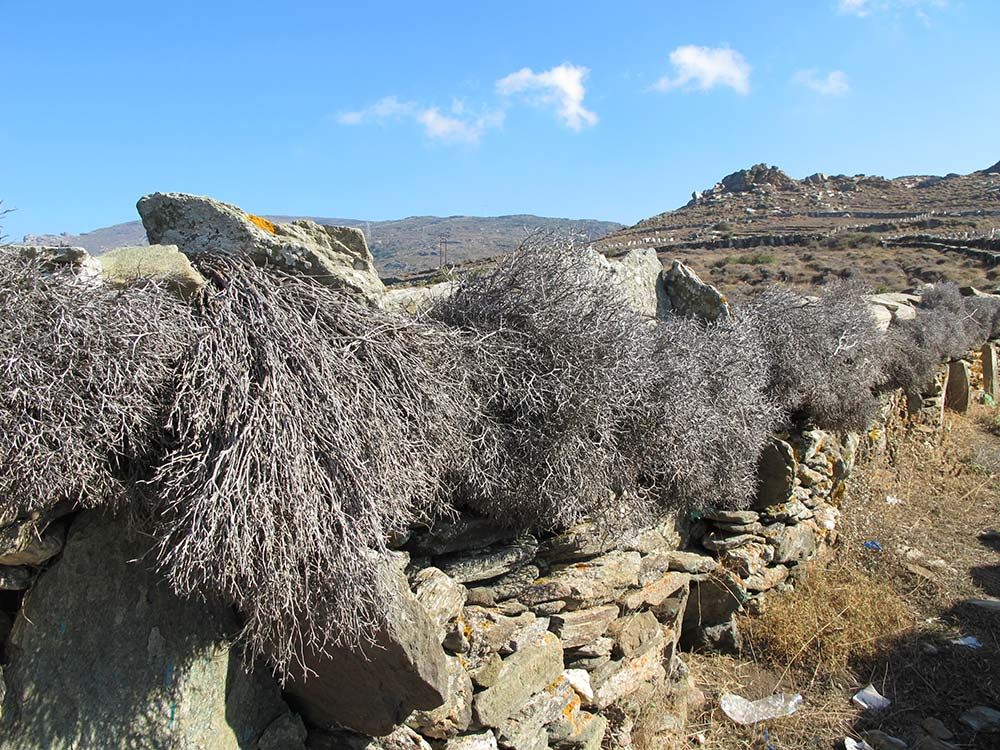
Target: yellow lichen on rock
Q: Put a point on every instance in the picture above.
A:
(263, 223)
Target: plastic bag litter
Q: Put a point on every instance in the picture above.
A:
(745, 712)
(893, 500)
(870, 698)
(872, 546)
(969, 641)
(852, 744)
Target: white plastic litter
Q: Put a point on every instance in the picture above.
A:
(853, 744)
(742, 711)
(870, 698)
(969, 641)
(893, 500)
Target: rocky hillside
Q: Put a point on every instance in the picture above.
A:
(758, 225)
(400, 247)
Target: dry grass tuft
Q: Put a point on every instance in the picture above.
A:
(839, 618)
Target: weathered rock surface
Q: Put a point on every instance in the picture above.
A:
(582, 626)
(414, 299)
(587, 584)
(958, 394)
(493, 562)
(22, 544)
(689, 296)
(337, 256)
(524, 673)
(163, 263)
(103, 655)
(991, 376)
(638, 276)
(406, 654)
(440, 595)
(455, 714)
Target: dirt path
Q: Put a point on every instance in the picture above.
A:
(887, 613)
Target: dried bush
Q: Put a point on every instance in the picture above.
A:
(307, 428)
(558, 364)
(83, 373)
(947, 326)
(705, 413)
(824, 353)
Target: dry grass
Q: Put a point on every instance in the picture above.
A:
(827, 640)
(829, 625)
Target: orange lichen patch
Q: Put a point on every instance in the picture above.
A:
(262, 223)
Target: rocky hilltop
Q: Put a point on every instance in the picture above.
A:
(759, 225)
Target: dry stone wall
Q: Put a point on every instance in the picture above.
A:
(496, 638)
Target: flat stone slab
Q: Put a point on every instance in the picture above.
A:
(488, 563)
(587, 584)
(582, 626)
(524, 673)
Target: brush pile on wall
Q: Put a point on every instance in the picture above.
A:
(492, 521)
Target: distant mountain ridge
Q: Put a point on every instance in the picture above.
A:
(400, 246)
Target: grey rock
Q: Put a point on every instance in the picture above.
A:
(440, 595)
(632, 632)
(123, 663)
(958, 395)
(653, 593)
(687, 562)
(482, 741)
(488, 563)
(724, 638)
(406, 653)
(467, 532)
(549, 608)
(486, 675)
(991, 372)
(16, 578)
(587, 584)
(687, 295)
(617, 679)
(528, 634)
(580, 731)
(527, 726)
(161, 263)
(337, 256)
(792, 511)
(766, 579)
(413, 300)
(53, 257)
(455, 714)
(664, 536)
(287, 732)
(738, 517)
(524, 673)
(582, 626)
(796, 543)
(713, 600)
(21, 543)
(509, 585)
(721, 542)
(879, 740)
(936, 728)
(981, 719)
(583, 540)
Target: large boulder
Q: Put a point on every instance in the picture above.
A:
(687, 295)
(372, 688)
(638, 275)
(337, 256)
(103, 655)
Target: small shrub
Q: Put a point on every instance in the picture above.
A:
(84, 370)
(757, 258)
(824, 353)
(306, 428)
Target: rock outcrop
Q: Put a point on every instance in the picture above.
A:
(337, 256)
(103, 655)
(163, 263)
(687, 295)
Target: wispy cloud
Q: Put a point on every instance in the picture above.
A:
(561, 87)
(704, 68)
(833, 83)
(864, 8)
(459, 126)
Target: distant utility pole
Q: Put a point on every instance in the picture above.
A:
(443, 252)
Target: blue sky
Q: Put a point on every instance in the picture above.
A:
(383, 110)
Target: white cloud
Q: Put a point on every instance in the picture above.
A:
(385, 109)
(443, 127)
(561, 86)
(863, 8)
(438, 126)
(705, 68)
(833, 83)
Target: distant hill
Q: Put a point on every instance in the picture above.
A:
(400, 247)
(759, 225)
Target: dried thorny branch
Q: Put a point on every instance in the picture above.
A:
(83, 370)
(307, 427)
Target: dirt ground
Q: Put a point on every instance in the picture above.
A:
(887, 616)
